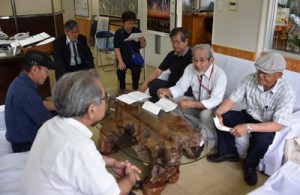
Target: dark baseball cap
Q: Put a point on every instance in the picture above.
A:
(38, 58)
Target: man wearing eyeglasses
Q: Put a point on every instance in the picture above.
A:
(25, 111)
(71, 51)
(208, 83)
(176, 61)
(269, 100)
(64, 158)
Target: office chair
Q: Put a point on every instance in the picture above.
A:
(104, 45)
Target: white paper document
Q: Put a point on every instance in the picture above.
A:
(163, 104)
(46, 41)
(134, 37)
(132, 97)
(219, 126)
(34, 39)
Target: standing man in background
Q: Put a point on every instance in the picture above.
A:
(124, 53)
(71, 51)
(176, 61)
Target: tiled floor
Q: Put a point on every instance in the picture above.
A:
(201, 177)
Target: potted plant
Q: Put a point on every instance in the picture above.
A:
(295, 43)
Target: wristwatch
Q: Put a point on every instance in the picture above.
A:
(248, 128)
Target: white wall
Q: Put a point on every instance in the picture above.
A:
(240, 29)
(68, 10)
(30, 7)
(5, 8)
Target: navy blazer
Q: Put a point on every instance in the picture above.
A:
(62, 55)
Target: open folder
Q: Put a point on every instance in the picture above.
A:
(163, 104)
(132, 97)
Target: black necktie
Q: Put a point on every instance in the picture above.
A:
(200, 81)
(75, 53)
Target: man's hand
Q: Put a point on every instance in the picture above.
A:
(124, 168)
(239, 130)
(122, 66)
(164, 93)
(144, 87)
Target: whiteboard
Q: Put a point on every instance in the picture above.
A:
(82, 8)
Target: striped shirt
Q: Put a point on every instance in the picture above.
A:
(275, 104)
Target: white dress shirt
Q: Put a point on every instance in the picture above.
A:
(64, 160)
(72, 60)
(213, 85)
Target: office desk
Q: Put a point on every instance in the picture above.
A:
(10, 68)
(163, 142)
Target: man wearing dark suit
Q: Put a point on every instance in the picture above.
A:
(71, 51)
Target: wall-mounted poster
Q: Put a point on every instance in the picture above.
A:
(158, 15)
(117, 7)
(81, 8)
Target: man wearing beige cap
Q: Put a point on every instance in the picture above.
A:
(269, 104)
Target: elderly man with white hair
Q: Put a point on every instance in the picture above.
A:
(270, 102)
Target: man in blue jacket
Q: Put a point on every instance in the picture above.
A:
(25, 111)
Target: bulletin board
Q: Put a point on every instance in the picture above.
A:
(82, 8)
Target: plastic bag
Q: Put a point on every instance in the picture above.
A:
(137, 59)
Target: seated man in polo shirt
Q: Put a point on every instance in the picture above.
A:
(25, 111)
(208, 83)
(176, 61)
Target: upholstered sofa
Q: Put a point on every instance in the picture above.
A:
(236, 69)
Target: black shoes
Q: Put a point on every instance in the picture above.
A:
(216, 158)
(197, 150)
(250, 176)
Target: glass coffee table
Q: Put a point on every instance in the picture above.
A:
(164, 141)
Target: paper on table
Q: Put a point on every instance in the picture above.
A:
(166, 104)
(219, 126)
(151, 107)
(133, 97)
(134, 36)
(163, 104)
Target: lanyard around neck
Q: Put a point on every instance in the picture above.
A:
(200, 82)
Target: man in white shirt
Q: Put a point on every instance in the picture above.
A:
(208, 83)
(63, 158)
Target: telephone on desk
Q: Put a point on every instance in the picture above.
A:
(20, 36)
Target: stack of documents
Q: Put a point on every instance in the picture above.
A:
(34, 39)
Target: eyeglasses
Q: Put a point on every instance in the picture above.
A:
(45, 70)
(201, 61)
(175, 42)
(105, 97)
